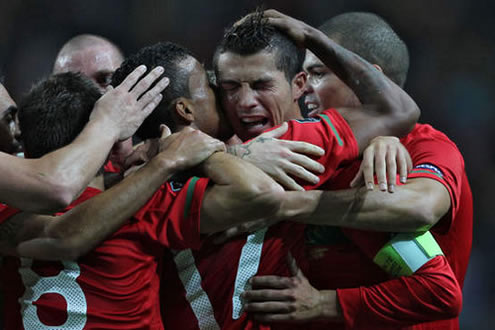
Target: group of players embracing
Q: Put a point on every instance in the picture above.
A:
(236, 211)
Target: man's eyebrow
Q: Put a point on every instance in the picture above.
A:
(227, 81)
(12, 110)
(263, 80)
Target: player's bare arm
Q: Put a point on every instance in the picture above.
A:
(82, 228)
(53, 181)
(387, 109)
(415, 206)
(241, 193)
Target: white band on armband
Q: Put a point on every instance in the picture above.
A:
(405, 253)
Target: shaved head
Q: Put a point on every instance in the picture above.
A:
(91, 55)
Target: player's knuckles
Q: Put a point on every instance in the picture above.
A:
(369, 151)
(380, 153)
(289, 308)
(285, 153)
(291, 282)
(367, 167)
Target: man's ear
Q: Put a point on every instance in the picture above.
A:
(298, 85)
(184, 110)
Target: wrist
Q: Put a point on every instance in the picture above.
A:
(330, 307)
(166, 163)
(104, 127)
(299, 205)
(313, 38)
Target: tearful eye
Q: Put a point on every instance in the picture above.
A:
(317, 74)
(228, 87)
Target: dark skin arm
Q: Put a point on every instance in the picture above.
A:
(386, 108)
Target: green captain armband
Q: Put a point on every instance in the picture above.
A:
(405, 253)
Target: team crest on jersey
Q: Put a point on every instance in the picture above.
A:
(308, 120)
(175, 185)
(429, 167)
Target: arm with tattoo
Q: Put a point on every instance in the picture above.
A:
(386, 110)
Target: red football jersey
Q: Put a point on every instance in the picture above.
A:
(116, 285)
(201, 289)
(111, 167)
(398, 302)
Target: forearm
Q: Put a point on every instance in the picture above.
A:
(375, 91)
(87, 225)
(406, 210)
(241, 193)
(72, 168)
(50, 183)
(362, 77)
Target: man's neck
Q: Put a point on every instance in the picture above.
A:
(293, 113)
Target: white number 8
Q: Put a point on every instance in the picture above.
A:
(64, 283)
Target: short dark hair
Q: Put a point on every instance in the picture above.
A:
(255, 35)
(369, 36)
(168, 55)
(55, 111)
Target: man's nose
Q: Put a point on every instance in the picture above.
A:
(247, 97)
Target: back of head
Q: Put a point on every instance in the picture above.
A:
(55, 111)
(169, 56)
(369, 36)
(255, 35)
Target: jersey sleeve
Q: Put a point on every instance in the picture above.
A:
(331, 132)
(110, 167)
(437, 158)
(172, 216)
(6, 212)
(431, 294)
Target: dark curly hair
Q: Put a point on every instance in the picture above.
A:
(255, 35)
(168, 55)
